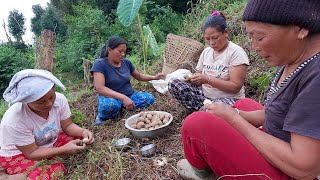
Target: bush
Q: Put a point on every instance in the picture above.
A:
(87, 30)
(166, 22)
(3, 108)
(197, 14)
(12, 61)
(77, 117)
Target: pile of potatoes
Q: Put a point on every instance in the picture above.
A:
(150, 120)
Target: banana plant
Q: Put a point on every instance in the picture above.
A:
(127, 11)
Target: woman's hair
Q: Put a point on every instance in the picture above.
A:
(215, 20)
(112, 43)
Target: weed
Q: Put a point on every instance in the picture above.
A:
(78, 117)
(3, 108)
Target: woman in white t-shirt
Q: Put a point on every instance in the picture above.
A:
(30, 129)
(221, 69)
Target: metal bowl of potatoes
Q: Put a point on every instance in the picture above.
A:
(149, 124)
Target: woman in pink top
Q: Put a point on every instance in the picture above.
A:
(31, 128)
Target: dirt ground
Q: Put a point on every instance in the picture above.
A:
(102, 161)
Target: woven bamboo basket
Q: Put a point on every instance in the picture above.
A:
(181, 53)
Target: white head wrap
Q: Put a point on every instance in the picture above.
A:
(30, 85)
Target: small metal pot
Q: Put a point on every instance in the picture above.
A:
(122, 144)
(148, 150)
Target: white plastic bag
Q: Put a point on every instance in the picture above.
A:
(162, 85)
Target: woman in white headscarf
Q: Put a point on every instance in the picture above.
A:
(30, 128)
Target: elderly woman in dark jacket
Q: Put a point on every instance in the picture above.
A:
(229, 142)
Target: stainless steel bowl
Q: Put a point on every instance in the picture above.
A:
(148, 150)
(147, 133)
(122, 144)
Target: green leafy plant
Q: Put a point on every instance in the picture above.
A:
(87, 30)
(78, 117)
(261, 81)
(3, 108)
(127, 11)
(11, 61)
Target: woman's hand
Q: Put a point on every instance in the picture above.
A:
(222, 110)
(128, 103)
(199, 79)
(74, 146)
(160, 76)
(87, 136)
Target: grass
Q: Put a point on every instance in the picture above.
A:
(3, 108)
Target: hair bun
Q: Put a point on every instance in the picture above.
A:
(218, 13)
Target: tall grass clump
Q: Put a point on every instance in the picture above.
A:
(197, 14)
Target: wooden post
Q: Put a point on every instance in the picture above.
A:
(45, 50)
(86, 72)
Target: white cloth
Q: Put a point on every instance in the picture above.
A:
(162, 85)
(219, 66)
(20, 126)
(30, 85)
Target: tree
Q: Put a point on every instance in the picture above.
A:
(5, 30)
(52, 20)
(13, 60)
(178, 6)
(87, 30)
(16, 22)
(36, 27)
(65, 6)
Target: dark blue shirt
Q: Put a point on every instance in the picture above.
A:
(294, 108)
(116, 78)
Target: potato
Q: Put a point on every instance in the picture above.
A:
(140, 125)
(207, 102)
(151, 128)
(140, 119)
(157, 126)
(147, 121)
(188, 77)
(149, 116)
(165, 121)
(155, 119)
(85, 140)
(153, 123)
(141, 113)
(144, 116)
(161, 116)
(134, 126)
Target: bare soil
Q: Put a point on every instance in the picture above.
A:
(102, 161)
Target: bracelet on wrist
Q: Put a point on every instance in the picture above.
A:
(238, 112)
